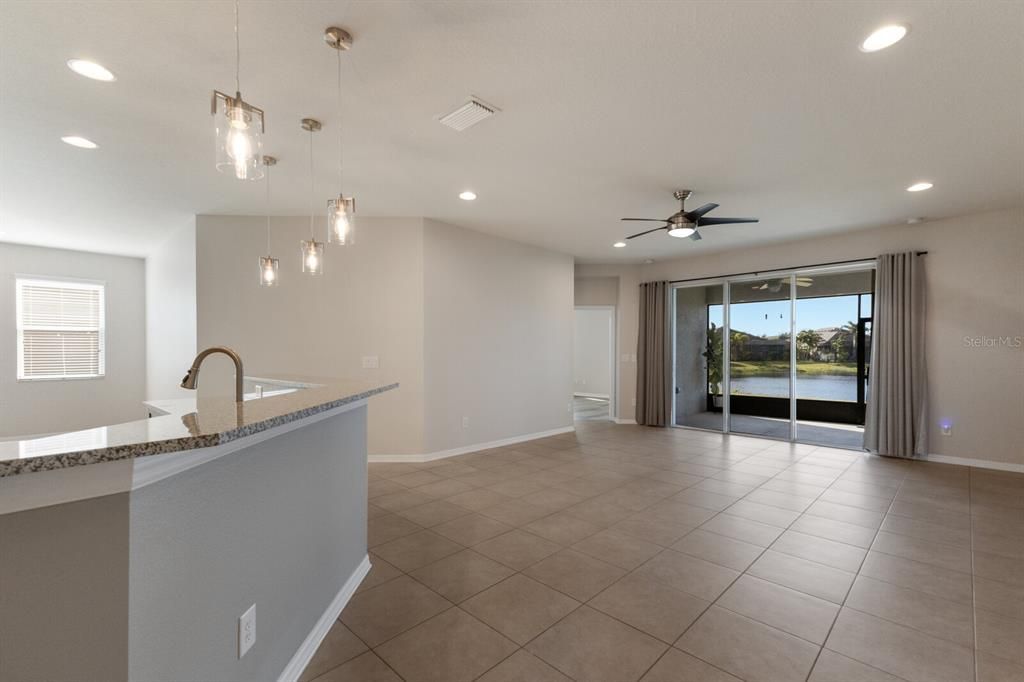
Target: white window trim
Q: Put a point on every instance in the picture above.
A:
(67, 283)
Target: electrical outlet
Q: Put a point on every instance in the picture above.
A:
(947, 428)
(246, 630)
(371, 362)
(569, 407)
(465, 422)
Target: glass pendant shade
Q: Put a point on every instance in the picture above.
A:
(268, 271)
(239, 127)
(313, 257)
(341, 221)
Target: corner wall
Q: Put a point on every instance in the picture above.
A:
(171, 313)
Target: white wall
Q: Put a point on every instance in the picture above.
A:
(171, 313)
(498, 323)
(974, 274)
(36, 407)
(367, 303)
(592, 355)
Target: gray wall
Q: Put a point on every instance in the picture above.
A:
(38, 407)
(171, 313)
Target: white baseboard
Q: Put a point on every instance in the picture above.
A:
(619, 420)
(977, 463)
(441, 454)
(304, 655)
(603, 396)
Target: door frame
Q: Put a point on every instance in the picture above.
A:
(613, 365)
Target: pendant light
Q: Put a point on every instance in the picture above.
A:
(268, 264)
(239, 128)
(312, 250)
(341, 211)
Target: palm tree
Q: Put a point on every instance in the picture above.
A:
(809, 340)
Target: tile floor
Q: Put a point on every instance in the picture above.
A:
(623, 553)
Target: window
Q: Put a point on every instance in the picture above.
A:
(60, 329)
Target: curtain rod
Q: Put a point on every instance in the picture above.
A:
(795, 267)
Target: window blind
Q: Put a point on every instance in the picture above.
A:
(60, 329)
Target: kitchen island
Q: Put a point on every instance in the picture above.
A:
(132, 551)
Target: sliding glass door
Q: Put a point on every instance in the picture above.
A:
(780, 355)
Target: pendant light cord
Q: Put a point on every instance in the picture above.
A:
(268, 209)
(341, 140)
(238, 53)
(311, 192)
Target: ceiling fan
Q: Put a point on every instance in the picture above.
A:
(686, 223)
(776, 285)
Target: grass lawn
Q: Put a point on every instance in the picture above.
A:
(781, 368)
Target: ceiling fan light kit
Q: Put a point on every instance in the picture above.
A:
(685, 224)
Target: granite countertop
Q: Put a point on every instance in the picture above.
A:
(187, 424)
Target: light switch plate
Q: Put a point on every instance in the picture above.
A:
(246, 630)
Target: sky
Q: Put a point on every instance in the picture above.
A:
(811, 313)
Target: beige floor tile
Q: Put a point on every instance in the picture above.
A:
(809, 577)
(944, 556)
(997, 567)
(419, 549)
(588, 645)
(926, 530)
(915, 575)
(380, 572)
(617, 549)
(433, 513)
(781, 499)
(471, 529)
(704, 498)
(478, 499)
(376, 488)
(340, 645)
(416, 479)
(373, 511)
(386, 528)
(450, 647)
(404, 499)
(522, 666)
(562, 528)
(688, 573)
(833, 667)
(517, 549)
(899, 650)
(515, 512)
(680, 513)
(999, 539)
(379, 614)
(937, 617)
(520, 608)
(763, 513)
(552, 499)
(363, 668)
(835, 554)
(994, 669)
(599, 512)
(748, 649)
(517, 487)
(650, 606)
(945, 517)
(788, 610)
(846, 514)
(998, 597)
(677, 666)
(859, 500)
(839, 531)
(651, 529)
(1000, 636)
(760, 534)
(719, 549)
(461, 575)
(575, 574)
(444, 488)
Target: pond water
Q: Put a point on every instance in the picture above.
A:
(815, 387)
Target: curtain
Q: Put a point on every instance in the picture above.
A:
(652, 388)
(897, 408)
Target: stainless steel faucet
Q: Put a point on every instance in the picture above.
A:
(191, 379)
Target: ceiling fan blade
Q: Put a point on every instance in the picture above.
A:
(641, 234)
(698, 212)
(803, 284)
(695, 236)
(649, 220)
(725, 221)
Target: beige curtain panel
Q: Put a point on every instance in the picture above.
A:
(653, 401)
(897, 409)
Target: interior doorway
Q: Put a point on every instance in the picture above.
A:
(594, 377)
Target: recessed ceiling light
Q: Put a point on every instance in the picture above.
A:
(83, 67)
(619, 245)
(467, 195)
(76, 141)
(883, 37)
(920, 186)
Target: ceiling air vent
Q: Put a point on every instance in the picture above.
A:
(469, 114)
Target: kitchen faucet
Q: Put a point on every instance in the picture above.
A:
(191, 379)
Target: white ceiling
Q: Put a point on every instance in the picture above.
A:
(767, 108)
